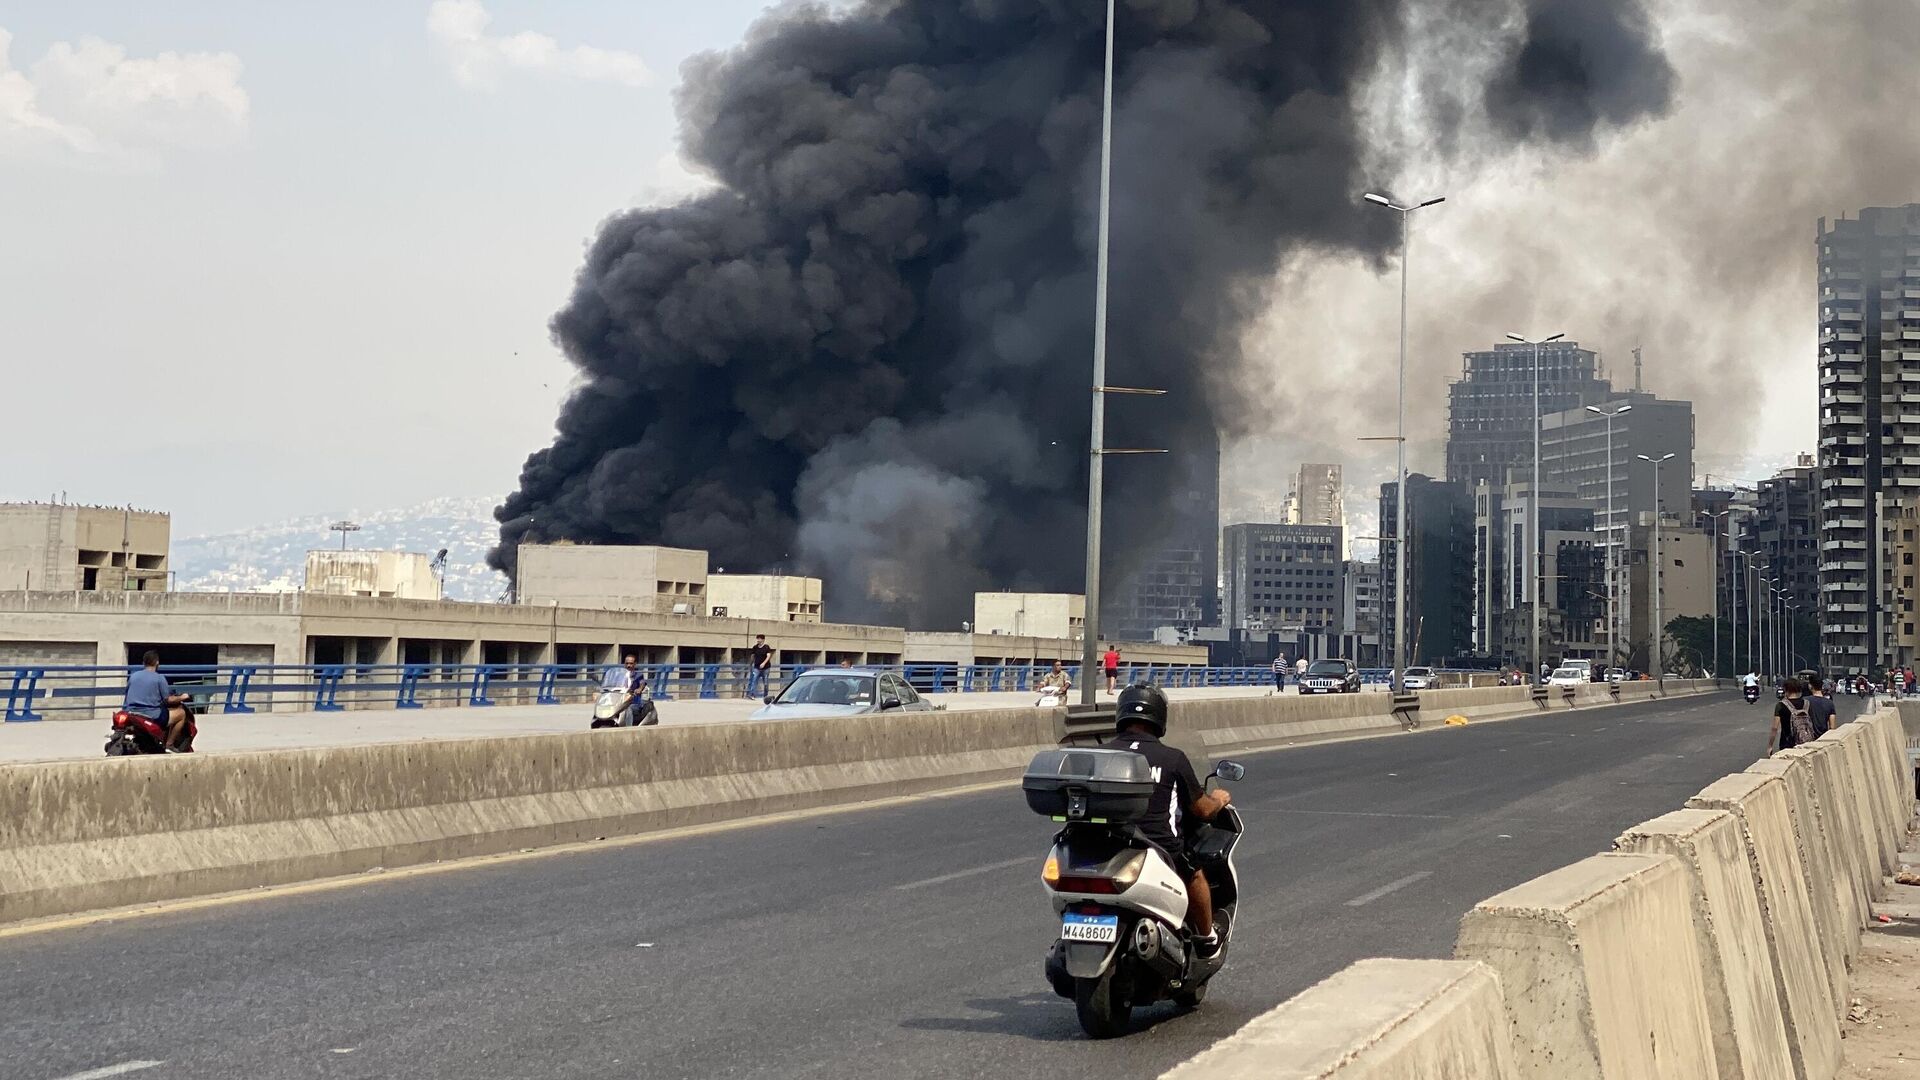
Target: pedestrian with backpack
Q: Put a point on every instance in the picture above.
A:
(1793, 721)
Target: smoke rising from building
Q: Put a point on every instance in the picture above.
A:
(1691, 237)
(865, 353)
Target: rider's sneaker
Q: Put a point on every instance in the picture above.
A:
(1206, 948)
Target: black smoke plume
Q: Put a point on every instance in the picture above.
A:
(866, 353)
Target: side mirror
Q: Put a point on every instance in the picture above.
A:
(889, 702)
(768, 700)
(1230, 771)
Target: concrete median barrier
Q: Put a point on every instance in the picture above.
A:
(1866, 744)
(1830, 892)
(1824, 781)
(1375, 1020)
(1599, 969)
(1881, 858)
(1801, 974)
(1228, 725)
(1855, 854)
(1899, 766)
(83, 835)
(1743, 1004)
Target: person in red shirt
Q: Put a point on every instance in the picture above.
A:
(1111, 662)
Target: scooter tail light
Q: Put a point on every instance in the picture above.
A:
(1096, 885)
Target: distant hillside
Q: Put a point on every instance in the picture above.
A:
(273, 558)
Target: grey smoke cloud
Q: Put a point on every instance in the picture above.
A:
(866, 353)
(1690, 236)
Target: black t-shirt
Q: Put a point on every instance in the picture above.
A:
(1176, 786)
(762, 655)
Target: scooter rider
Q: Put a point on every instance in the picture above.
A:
(1141, 722)
(627, 679)
(149, 695)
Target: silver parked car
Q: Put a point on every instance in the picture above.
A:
(842, 692)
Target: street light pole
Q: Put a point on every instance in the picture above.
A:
(1399, 662)
(1613, 569)
(1096, 460)
(1534, 558)
(1716, 581)
(1659, 568)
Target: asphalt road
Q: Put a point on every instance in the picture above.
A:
(900, 941)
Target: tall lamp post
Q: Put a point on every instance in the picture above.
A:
(1659, 568)
(1534, 562)
(1613, 568)
(1400, 437)
(1769, 627)
(1715, 518)
(1746, 597)
(1096, 461)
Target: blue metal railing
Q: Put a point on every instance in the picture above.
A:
(32, 693)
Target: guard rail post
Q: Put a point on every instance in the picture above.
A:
(477, 693)
(326, 687)
(238, 683)
(20, 695)
(409, 697)
(546, 694)
(709, 681)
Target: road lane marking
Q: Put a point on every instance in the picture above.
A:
(113, 1070)
(1356, 813)
(1390, 887)
(958, 874)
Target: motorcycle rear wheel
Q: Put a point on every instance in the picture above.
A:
(1102, 1005)
(1190, 997)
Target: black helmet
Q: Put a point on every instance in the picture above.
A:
(1141, 703)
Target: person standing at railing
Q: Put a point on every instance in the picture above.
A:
(1110, 663)
(759, 667)
(149, 695)
(1280, 672)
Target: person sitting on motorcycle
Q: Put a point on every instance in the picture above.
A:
(1750, 680)
(628, 680)
(149, 695)
(1056, 682)
(1141, 722)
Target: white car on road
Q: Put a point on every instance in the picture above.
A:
(1567, 676)
(1420, 678)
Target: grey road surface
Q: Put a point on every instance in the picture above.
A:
(893, 942)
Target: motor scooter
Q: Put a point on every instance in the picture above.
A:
(1124, 942)
(610, 709)
(1752, 693)
(134, 734)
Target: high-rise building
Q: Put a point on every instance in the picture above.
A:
(1178, 583)
(1781, 530)
(1573, 451)
(1490, 407)
(1686, 589)
(1575, 605)
(1439, 554)
(1282, 576)
(1869, 421)
(1316, 497)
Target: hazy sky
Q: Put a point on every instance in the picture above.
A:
(268, 259)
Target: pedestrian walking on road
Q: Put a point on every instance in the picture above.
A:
(1111, 663)
(1820, 704)
(1793, 721)
(758, 669)
(1280, 672)
(1299, 669)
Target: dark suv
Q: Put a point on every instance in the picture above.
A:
(1331, 677)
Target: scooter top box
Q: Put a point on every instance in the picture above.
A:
(1089, 785)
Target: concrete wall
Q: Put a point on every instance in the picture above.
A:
(766, 597)
(403, 575)
(1040, 615)
(615, 577)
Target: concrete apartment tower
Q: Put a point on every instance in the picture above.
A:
(1869, 305)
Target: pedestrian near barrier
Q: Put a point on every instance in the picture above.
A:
(761, 664)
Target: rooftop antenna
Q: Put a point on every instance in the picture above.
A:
(343, 528)
(1636, 369)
